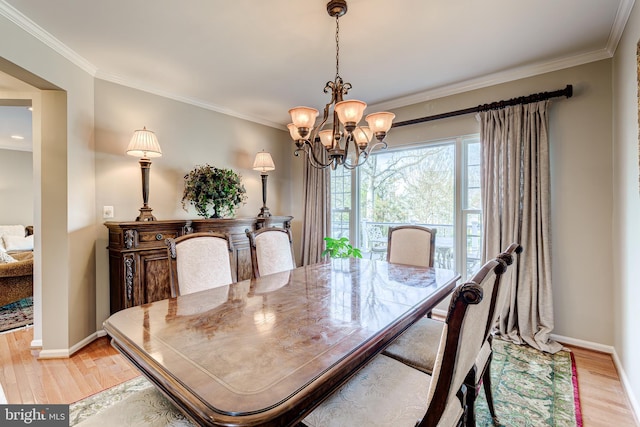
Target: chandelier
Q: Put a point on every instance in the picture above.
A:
(344, 141)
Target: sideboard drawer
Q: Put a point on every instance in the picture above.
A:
(149, 239)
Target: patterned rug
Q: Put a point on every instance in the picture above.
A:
(16, 314)
(530, 389)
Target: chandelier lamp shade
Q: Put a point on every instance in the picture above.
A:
(144, 144)
(264, 163)
(345, 141)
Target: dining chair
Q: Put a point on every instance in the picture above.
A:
(376, 241)
(200, 261)
(417, 346)
(412, 245)
(271, 250)
(387, 392)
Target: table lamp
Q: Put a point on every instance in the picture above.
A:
(144, 144)
(264, 163)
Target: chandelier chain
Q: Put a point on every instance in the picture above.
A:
(337, 47)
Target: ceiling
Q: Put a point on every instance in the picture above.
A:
(256, 59)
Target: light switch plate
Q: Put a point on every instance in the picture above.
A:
(107, 212)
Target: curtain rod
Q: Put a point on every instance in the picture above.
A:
(567, 91)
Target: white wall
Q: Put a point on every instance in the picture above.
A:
(625, 282)
(16, 187)
(64, 205)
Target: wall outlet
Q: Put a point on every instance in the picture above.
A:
(107, 212)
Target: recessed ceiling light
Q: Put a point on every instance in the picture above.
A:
(17, 137)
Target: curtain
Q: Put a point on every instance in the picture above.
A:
(316, 218)
(515, 204)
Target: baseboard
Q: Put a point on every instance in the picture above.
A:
(633, 401)
(589, 345)
(66, 353)
(624, 380)
(3, 398)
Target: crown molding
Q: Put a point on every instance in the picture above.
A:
(39, 33)
(187, 100)
(620, 21)
(622, 15)
(494, 79)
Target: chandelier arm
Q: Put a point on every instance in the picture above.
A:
(307, 148)
(365, 154)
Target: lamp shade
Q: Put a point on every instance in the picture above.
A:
(380, 122)
(326, 137)
(303, 117)
(144, 144)
(350, 111)
(362, 135)
(263, 162)
(293, 131)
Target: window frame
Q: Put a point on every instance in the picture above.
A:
(461, 187)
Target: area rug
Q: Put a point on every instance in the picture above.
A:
(16, 314)
(531, 388)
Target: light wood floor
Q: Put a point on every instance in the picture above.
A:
(25, 379)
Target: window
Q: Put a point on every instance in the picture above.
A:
(435, 184)
(340, 202)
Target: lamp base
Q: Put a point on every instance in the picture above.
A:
(145, 215)
(264, 212)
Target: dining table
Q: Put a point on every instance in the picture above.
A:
(268, 350)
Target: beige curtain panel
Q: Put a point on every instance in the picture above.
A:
(515, 204)
(316, 218)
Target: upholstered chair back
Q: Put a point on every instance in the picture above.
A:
(462, 338)
(271, 250)
(412, 245)
(200, 261)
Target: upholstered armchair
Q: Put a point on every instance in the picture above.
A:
(16, 278)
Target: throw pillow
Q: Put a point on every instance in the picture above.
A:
(17, 243)
(10, 230)
(5, 258)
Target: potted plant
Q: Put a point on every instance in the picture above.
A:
(340, 248)
(209, 188)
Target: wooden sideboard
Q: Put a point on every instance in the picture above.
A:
(138, 261)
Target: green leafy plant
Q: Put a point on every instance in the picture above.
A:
(340, 248)
(209, 188)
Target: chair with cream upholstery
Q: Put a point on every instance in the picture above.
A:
(417, 346)
(412, 245)
(200, 261)
(386, 392)
(271, 250)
